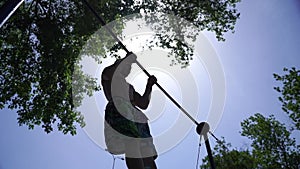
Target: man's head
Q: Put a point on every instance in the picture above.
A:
(124, 65)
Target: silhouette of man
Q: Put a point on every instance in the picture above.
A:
(126, 127)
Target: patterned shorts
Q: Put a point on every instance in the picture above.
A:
(122, 127)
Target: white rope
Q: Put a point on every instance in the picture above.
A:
(198, 152)
(114, 160)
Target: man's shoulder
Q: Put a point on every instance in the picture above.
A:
(108, 72)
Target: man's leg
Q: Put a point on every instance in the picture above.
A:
(134, 163)
(133, 155)
(149, 163)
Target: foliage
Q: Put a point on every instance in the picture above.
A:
(271, 142)
(41, 43)
(271, 147)
(179, 22)
(225, 158)
(290, 93)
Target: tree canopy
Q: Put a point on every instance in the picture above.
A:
(290, 93)
(225, 157)
(272, 144)
(41, 42)
(271, 147)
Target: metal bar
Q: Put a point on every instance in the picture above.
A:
(8, 9)
(213, 135)
(105, 26)
(144, 70)
(208, 149)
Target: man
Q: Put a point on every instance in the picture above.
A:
(126, 127)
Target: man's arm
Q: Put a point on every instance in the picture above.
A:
(144, 100)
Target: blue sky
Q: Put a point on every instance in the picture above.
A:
(267, 38)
